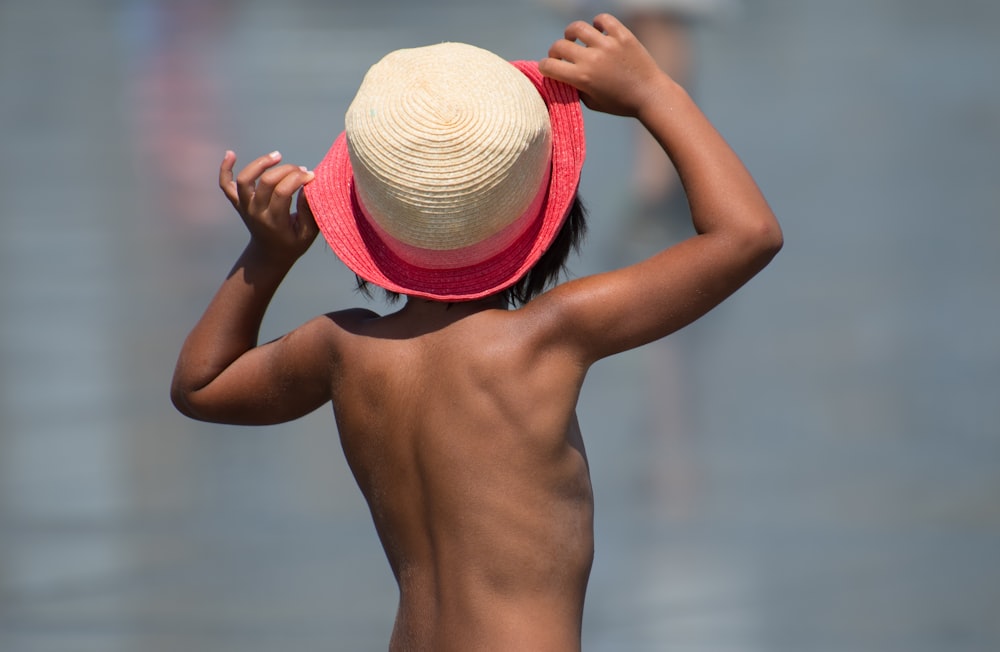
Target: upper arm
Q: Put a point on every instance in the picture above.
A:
(608, 313)
(272, 383)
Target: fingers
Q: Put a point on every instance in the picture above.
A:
(226, 177)
(561, 61)
(304, 210)
(260, 186)
(557, 68)
(277, 187)
(584, 32)
(304, 219)
(246, 180)
(565, 50)
(579, 37)
(265, 185)
(589, 35)
(609, 25)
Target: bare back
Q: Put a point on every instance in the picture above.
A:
(464, 440)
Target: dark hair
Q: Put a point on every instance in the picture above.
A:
(543, 274)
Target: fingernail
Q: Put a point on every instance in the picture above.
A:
(275, 154)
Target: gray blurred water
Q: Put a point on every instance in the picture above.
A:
(813, 466)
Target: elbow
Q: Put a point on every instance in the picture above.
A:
(765, 239)
(756, 243)
(179, 398)
(182, 398)
(773, 239)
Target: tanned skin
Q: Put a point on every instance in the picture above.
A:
(458, 420)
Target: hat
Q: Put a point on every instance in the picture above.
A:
(454, 174)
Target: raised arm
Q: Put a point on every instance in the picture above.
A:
(737, 234)
(221, 374)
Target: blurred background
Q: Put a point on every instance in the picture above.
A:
(813, 466)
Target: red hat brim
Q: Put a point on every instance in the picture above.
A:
(333, 203)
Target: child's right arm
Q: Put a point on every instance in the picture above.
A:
(737, 234)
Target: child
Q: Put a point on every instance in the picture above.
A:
(457, 413)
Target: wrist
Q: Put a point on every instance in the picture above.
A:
(662, 96)
(262, 264)
(265, 255)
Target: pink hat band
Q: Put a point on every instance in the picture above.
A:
(469, 255)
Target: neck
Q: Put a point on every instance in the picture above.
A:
(422, 316)
(455, 309)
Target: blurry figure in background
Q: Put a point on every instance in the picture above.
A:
(665, 28)
(176, 101)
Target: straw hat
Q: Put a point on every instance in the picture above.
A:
(454, 174)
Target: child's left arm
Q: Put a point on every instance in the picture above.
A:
(222, 375)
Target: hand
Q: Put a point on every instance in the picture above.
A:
(606, 63)
(262, 194)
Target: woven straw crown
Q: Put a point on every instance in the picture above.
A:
(447, 156)
(454, 173)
